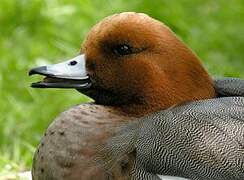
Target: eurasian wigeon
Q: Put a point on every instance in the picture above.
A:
(131, 65)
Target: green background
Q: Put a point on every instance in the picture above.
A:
(35, 32)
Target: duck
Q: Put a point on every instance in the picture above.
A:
(132, 66)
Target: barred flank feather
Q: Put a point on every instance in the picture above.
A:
(229, 87)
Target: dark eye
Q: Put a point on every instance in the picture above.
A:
(122, 49)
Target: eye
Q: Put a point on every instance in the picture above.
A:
(122, 49)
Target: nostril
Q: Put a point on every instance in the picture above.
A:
(72, 63)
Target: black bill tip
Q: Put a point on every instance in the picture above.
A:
(42, 70)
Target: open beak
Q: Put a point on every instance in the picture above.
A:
(69, 74)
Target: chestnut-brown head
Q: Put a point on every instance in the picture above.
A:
(138, 64)
(142, 64)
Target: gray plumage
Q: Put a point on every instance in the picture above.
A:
(230, 87)
(202, 140)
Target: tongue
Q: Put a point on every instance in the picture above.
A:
(52, 80)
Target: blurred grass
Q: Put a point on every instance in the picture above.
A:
(34, 32)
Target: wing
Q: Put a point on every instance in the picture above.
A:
(230, 87)
(199, 140)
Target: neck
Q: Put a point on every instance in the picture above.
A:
(161, 94)
(168, 95)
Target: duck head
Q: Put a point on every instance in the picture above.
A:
(134, 62)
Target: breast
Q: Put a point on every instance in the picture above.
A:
(66, 150)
